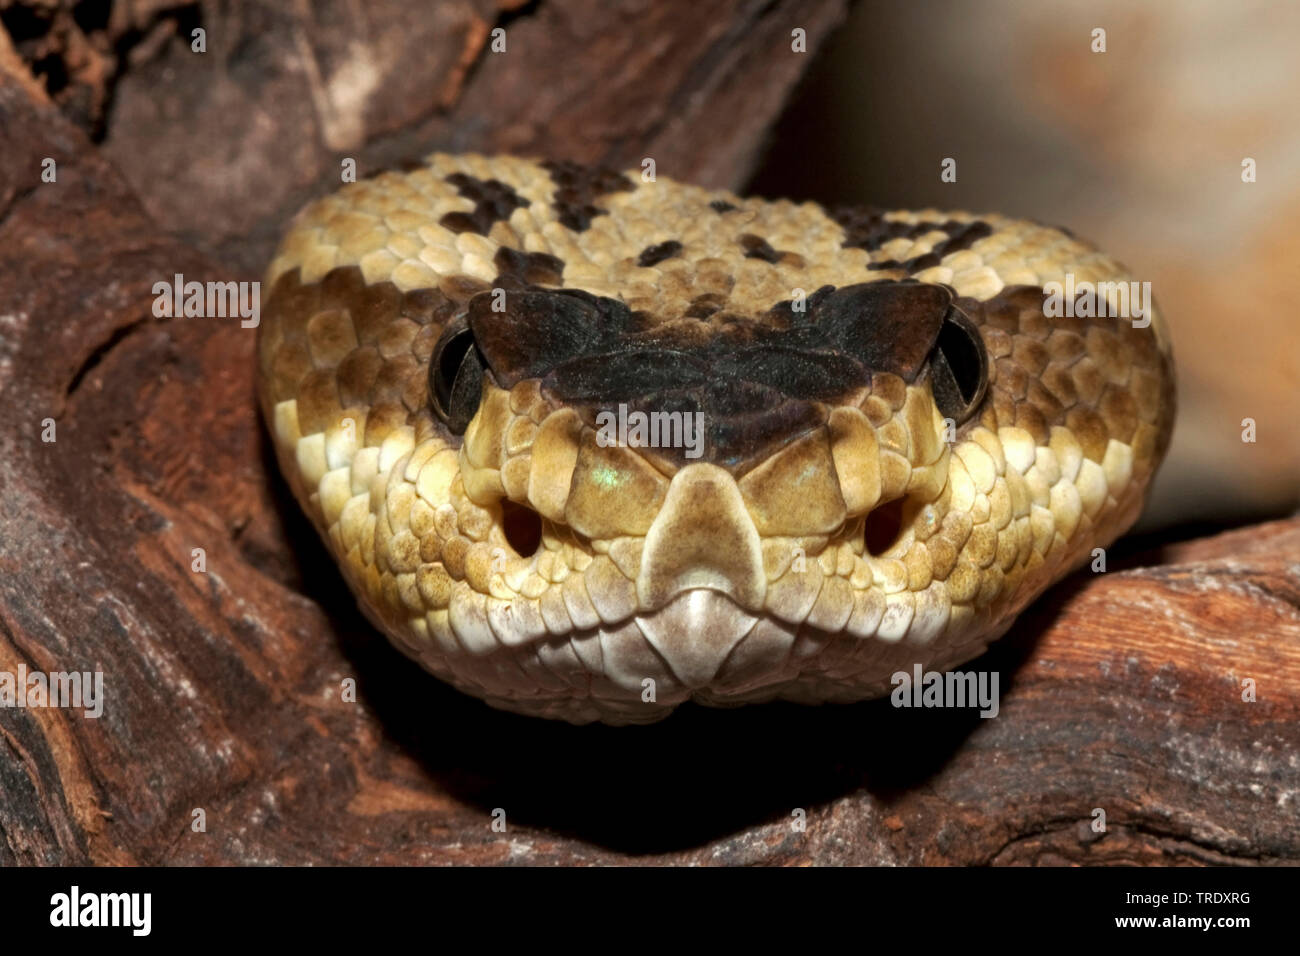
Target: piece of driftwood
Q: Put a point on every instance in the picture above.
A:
(223, 687)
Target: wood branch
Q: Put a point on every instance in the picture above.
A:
(1121, 691)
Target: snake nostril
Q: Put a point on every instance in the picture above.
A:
(522, 526)
(883, 527)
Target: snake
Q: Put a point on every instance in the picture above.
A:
(588, 444)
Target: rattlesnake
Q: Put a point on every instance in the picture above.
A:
(898, 448)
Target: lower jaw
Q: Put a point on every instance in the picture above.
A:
(700, 647)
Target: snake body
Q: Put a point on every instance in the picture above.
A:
(899, 447)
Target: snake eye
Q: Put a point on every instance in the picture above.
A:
(959, 367)
(455, 377)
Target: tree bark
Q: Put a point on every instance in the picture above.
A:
(1121, 691)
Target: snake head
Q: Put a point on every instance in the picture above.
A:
(588, 447)
(676, 470)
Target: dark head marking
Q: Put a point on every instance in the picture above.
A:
(887, 326)
(538, 329)
(531, 268)
(746, 375)
(577, 188)
(493, 200)
(653, 255)
(868, 229)
(956, 242)
(756, 247)
(720, 206)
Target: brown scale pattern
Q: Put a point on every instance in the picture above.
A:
(1097, 376)
(653, 255)
(578, 187)
(342, 344)
(535, 268)
(493, 200)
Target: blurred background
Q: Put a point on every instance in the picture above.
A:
(1138, 149)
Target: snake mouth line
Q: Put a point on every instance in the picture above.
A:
(701, 646)
(700, 624)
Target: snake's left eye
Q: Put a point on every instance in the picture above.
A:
(455, 377)
(959, 367)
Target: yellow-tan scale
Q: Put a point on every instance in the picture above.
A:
(1055, 464)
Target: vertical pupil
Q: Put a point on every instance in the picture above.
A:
(449, 362)
(963, 358)
(958, 368)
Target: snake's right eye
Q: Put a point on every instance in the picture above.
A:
(455, 377)
(959, 367)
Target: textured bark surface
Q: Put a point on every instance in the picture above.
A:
(1121, 691)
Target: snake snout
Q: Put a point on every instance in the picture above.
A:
(696, 632)
(702, 538)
